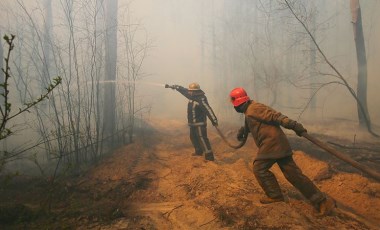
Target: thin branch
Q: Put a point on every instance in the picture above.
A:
(340, 76)
(207, 222)
(315, 93)
(170, 212)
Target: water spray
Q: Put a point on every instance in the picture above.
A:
(132, 82)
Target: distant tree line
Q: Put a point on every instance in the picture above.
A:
(93, 108)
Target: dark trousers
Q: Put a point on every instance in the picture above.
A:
(201, 143)
(292, 173)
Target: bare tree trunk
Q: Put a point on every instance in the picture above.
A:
(1, 65)
(362, 62)
(98, 62)
(99, 58)
(2, 79)
(313, 55)
(46, 49)
(110, 68)
(47, 40)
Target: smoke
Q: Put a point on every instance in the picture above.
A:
(117, 82)
(222, 45)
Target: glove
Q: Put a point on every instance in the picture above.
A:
(295, 126)
(241, 134)
(299, 129)
(288, 123)
(175, 87)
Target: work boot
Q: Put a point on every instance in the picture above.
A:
(268, 200)
(209, 156)
(327, 206)
(196, 154)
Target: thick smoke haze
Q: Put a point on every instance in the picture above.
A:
(189, 39)
(182, 32)
(222, 44)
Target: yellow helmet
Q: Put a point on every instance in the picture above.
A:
(194, 86)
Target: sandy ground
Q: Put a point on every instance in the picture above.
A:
(155, 183)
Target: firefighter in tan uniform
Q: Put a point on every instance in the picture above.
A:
(198, 110)
(264, 124)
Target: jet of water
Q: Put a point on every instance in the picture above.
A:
(132, 82)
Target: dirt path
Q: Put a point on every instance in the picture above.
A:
(179, 191)
(155, 183)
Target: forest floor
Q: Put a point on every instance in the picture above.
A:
(155, 183)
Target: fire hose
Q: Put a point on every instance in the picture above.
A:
(315, 141)
(342, 156)
(241, 144)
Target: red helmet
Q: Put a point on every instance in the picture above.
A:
(238, 96)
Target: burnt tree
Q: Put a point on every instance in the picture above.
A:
(109, 113)
(362, 63)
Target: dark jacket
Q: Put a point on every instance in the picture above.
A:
(264, 124)
(198, 107)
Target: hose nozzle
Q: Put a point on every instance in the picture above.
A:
(169, 86)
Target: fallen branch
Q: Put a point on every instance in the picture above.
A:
(170, 212)
(343, 157)
(207, 222)
(344, 211)
(140, 174)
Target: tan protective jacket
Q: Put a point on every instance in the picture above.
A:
(264, 124)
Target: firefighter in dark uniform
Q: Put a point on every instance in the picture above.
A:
(198, 110)
(264, 124)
